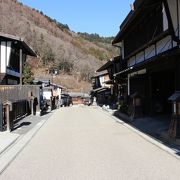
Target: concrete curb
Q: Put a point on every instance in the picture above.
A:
(11, 153)
(149, 138)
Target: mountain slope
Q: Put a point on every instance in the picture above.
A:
(58, 47)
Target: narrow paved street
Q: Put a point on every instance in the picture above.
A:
(84, 143)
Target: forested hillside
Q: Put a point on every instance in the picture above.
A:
(76, 55)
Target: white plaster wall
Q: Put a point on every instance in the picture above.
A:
(165, 20)
(47, 94)
(8, 52)
(59, 92)
(164, 45)
(174, 44)
(101, 78)
(3, 57)
(140, 57)
(173, 11)
(123, 49)
(150, 52)
(131, 61)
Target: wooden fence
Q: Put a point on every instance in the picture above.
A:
(20, 98)
(15, 93)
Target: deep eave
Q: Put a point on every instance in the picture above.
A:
(58, 86)
(109, 64)
(100, 89)
(140, 7)
(99, 74)
(20, 42)
(172, 52)
(105, 66)
(109, 82)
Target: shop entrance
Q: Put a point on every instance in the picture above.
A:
(139, 84)
(163, 86)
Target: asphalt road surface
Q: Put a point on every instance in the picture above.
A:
(83, 143)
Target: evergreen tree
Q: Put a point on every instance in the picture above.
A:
(28, 76)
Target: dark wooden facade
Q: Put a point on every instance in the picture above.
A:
(100, 90)
(149, 38)
(114, 66)
(13, 52)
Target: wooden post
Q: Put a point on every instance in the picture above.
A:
(32, 100)
(7, 118)
(1, 117)
(20, 65)
(177, 75)
(150, 106)
(8, 107)
(128, 84)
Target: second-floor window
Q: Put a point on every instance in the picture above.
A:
(147, 26)
(14, 59)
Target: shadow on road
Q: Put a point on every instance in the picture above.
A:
(21, 125)
(155, 127)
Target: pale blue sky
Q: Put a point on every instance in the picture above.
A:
(92, 16)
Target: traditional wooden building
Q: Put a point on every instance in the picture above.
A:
(78, 97)
(13, 52)
(114, 66)
(100, 90)
(149, 38)
(50, 92)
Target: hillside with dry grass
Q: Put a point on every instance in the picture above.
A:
(75, 55)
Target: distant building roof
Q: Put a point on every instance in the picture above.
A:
(41, 81)
(108, 64)
(58, 86)
(101, 89)
(78, 94)
(102, 73)
(20, 42)
(46, 82)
